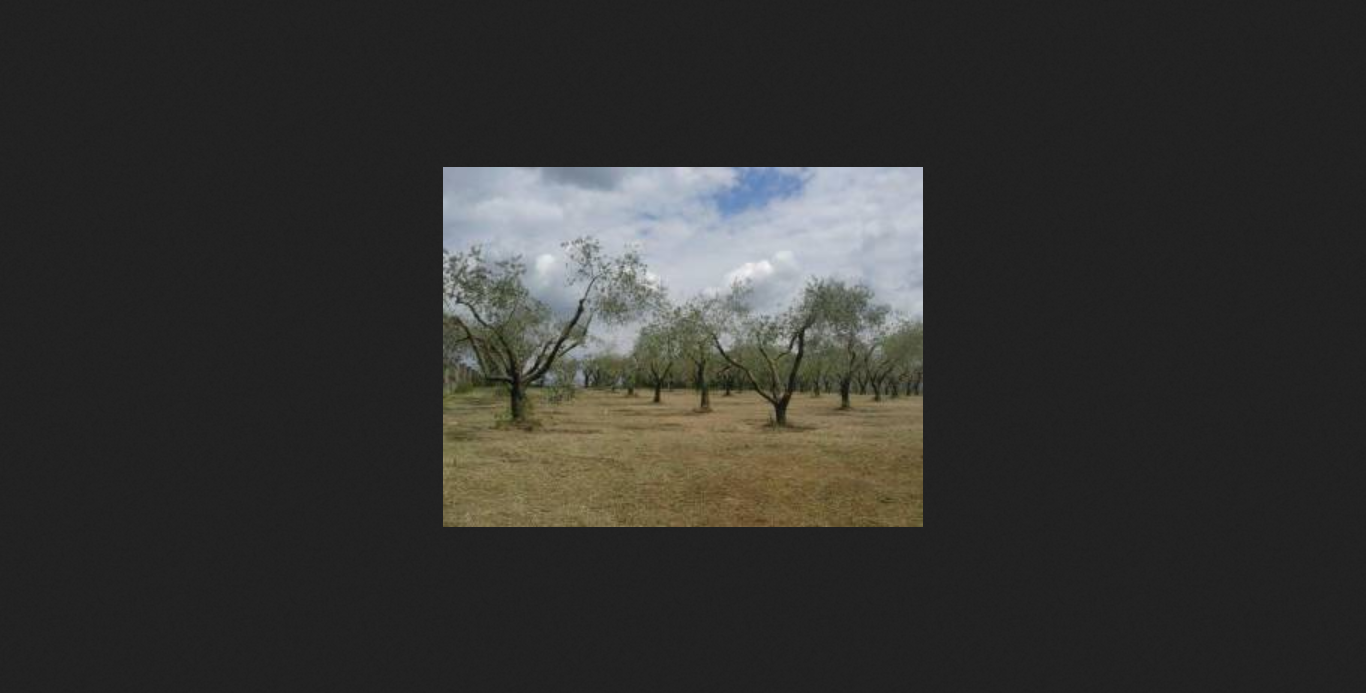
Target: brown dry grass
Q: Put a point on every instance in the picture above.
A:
(606, 460)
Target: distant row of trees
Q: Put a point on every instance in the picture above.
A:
(832, 336)
(818, 374)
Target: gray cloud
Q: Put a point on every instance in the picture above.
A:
(592, 177)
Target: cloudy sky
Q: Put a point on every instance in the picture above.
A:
(700, 227)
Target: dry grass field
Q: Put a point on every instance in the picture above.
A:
(607, 460)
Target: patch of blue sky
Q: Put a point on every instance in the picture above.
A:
(756, 187)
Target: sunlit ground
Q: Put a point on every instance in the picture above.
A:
(607, 460)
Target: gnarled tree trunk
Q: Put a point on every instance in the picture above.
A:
(780, 412)
(518, 400)
(706, 394)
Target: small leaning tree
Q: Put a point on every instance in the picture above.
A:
(694, 324)
(856, 323)
(656, 349)
(515, 338)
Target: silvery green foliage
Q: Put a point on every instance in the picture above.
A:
(822, 354)
(694, 323)
(658, 346)
(851, 320)
(620, 289)
(839, 326)
(895, 353)
(453, 344)
(849, 312)
(906, 347)
(768, 349)
(514, 336)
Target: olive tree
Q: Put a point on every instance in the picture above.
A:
(910, 354)
(693, 325)
(822, 358)
(780, 341)
(882, 360)
(603, 369)
(516, 338)
(597, 369)
(855, 323)
(657, 350)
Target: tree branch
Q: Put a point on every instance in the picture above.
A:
(743, 369)
(801, 351)
(508, 352)
(481, 349)
(564, 334)
(772, 370)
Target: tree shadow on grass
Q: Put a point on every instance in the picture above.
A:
(771, 427)
(510, 425)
